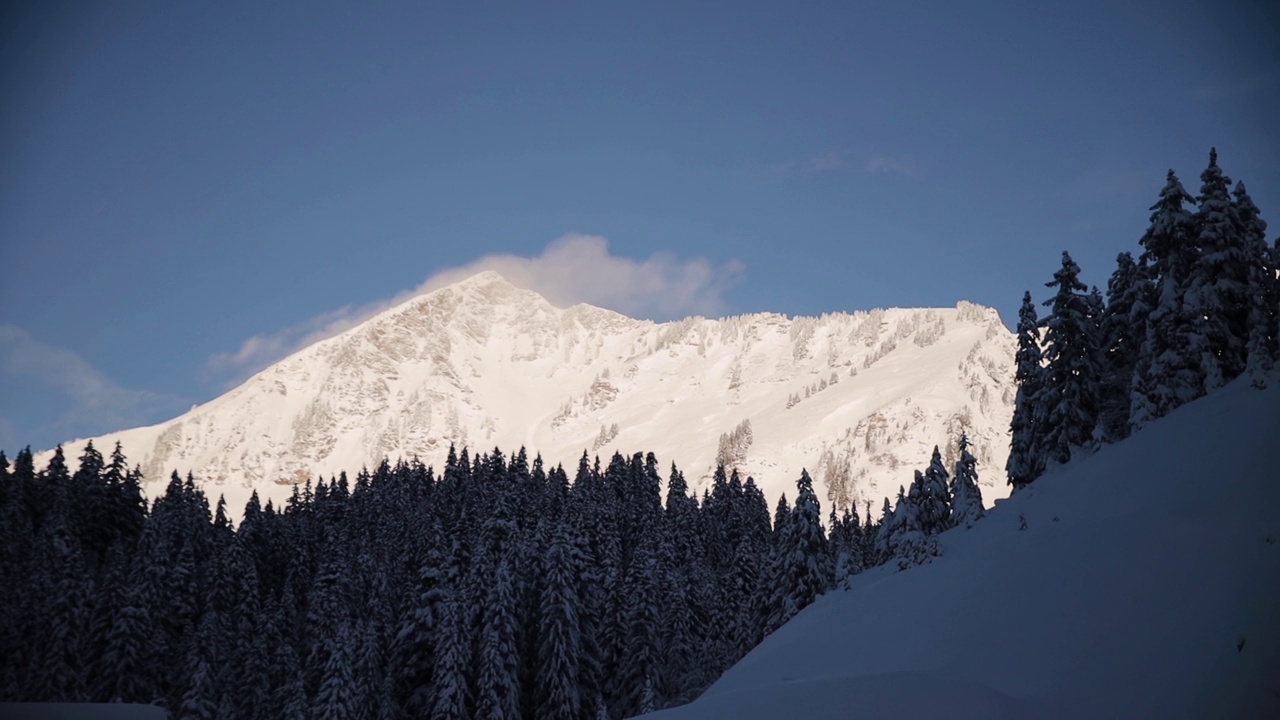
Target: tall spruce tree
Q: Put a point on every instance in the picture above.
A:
(804, 571)
(901, 538)
(498, 695)
(1070, 382)
(1025, 462)
(337, 698)
(449, 686)
(1124, 322)
(935, 497)
(1264, 287)
(1168, 371)
(560, 632)
(1220, 282)
(966, 496)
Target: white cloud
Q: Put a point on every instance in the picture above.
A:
(884, 164)
(822, 163)
(800, 167)
(572, 269)
(92, 402)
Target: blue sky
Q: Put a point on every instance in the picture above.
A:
(189, 190)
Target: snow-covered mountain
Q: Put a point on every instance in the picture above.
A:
(1145, 584)
(858, 399)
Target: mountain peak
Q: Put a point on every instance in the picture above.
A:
(483, 278)
(489, 288)
(853, 398)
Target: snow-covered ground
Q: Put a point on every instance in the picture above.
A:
(858, 399)
(1145, 585)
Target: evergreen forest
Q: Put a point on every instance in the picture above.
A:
(499, 587)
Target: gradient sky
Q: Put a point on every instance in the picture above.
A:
(189, 190)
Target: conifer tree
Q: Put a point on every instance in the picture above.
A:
(336, 699)
(935, 497)
(1168, 371)
(62, 653)
(966, 496)
(1124, 323)
(641, 661)
(1219, 284)
(901, 539)
(1263, 288)
(805, 570)
(560, 633)
(291, 694)
(449, 688)
(127, 659)
(1069, 390)
(678, 638)
(498, 694)
(1025, 462)
(198, 701)
(781, 514)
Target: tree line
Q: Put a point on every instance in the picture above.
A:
(497, 588)
(1197, 309)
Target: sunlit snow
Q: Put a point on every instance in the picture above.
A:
(483, 363)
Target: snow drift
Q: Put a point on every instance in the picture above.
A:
(1145, 585)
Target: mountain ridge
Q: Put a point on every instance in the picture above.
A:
(857, 398)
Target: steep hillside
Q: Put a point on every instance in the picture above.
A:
(1145, 585)
(857, 398)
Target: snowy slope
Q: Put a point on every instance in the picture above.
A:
(486, 364)
(1141, 571)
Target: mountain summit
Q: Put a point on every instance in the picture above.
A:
(858, 399)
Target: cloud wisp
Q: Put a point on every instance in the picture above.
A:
(801, 166)
(885, 165)
(572, 269)
(93, 402)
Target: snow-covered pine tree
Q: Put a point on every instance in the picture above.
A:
(336, 699)
(966, 496)
(935, 497)
(1124, 322)
(781, 514)
(850, 555)
(198, 700)
(498, 687)
(449, 677)
(413, 649)
(289, 700)
(882, 546)
(805, 570)
(126, 662)
(1168, 369)
(1025, 463)
(901, 539)
(678, 638)
(62, 651)
(559, 632)
(641, 661)
(681, 521)
(745, 630)
(128, 510)
(1070, 390)
(1218, 287)
(1264, 287)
